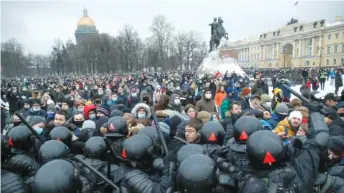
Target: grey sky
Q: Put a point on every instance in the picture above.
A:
(37, 24)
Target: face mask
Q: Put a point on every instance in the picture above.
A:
(77, 87)
(207, 96)
(26, 106)
(114, 98)
(78, 123)
(92, 116)
(85, 88)
(177, 101)
(100, 92)
(39, 130)
(137, 83)
(141, 115)
(178, 88)
(81, 109)
(134, 94)
(36, 108)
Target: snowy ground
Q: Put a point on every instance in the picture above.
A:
(328, 88)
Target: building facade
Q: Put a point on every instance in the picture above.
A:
(296, 45)
(86, 28)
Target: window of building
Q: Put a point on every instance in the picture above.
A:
(329, 36)
(269, 64)
(309, 46)
(270, 52)
(313, 63)
(297, 52)
(278, 33)
(328, 49)
(335, 49)
(343, 48)
(337, 35)
(306, 63)
(327, 62)
(322, 23)
(273, 34)
(334, 61)
(342, 61)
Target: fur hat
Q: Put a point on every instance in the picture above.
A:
(246, 91)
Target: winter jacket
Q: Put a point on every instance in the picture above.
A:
(220, 95)
(283, 127)
(245, 105)
(206, 105)
(225, 106)
(31, 113)
(338, 80)
(336, 127)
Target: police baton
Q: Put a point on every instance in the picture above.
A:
(96, 172)
(302, 98)
(157, 126)
(29, 126)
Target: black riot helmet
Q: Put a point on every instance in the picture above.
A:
(117, 125)
(57, 176)
(95, 147)
(150, 132)
(5, 148)
(138, 149)
(11, 182)
(20, 137)
(61, 133)
(51, 150)
(188, 150)
(196, 174)
(244, 127)
(212, 133)
(265, 150)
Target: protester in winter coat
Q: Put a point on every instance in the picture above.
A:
(219, 96)
(243, 98)
(227, 102)
(280, 113)
(334, 122)
(36, 110)
(338, 81)
(289, 126)
(206, 103)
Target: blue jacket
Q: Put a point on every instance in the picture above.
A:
(31, 113)
(275, 119)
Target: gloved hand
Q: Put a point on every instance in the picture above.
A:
(314, 106)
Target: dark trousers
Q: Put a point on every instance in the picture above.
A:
(322, 83)
(336, 91)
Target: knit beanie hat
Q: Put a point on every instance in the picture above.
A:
(51, 108)
(264, 98)
(116, 113)
(36, 119)
(103, 109)
(295, 114)
(229, 90)
(282, 109)
(336, 145)
(246, 91)
(88, 124)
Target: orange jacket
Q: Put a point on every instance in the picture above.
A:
(219, 96)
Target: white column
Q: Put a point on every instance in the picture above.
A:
(273, 51)
(294, 49)
(277, 51)
(300, 42)
(312, 53)
(319, 45)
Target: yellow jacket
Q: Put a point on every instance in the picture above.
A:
(284, 126)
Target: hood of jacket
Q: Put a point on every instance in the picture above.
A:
(139, 106)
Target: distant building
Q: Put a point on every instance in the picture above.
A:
(86, 27)
(296, 45)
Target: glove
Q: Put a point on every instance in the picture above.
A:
(314, 106)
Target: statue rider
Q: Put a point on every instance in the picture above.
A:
(214, 26)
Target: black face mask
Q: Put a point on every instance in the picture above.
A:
(78, 123)
(17, 123)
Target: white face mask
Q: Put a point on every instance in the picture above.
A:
(330, 156)
(92, 116)
(26, 106)
(268, 104)
(36, 108)
(207, 96)
(177, 101)
(141, 115)
(178, 88)
(134, 94)
(81, 109)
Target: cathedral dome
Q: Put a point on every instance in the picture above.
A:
(85, 20)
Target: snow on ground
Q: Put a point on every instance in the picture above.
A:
(328, 88)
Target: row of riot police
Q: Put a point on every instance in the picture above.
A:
(253, 161)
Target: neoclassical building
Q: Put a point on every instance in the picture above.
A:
(86, 27)
(296, 45)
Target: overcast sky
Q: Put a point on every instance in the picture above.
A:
(37, 24)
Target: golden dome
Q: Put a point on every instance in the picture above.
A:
(85, 20)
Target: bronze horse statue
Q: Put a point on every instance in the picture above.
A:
(218, 32)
